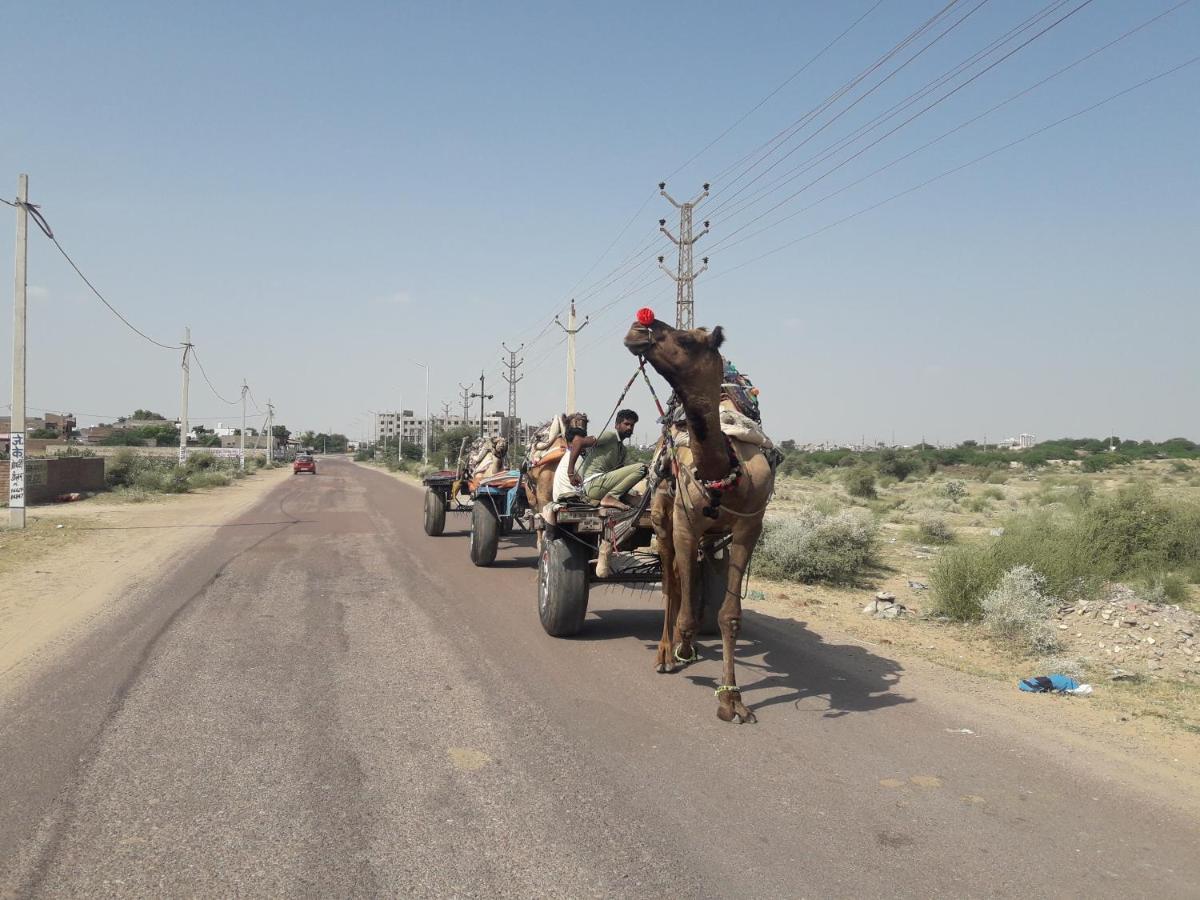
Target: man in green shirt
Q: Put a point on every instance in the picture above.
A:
(604, 475)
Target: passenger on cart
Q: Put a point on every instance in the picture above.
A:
(603, 474)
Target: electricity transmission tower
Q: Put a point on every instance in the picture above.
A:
(482, 395)
(683, 276)
(512, 363)
(571, 329)
(464, 394)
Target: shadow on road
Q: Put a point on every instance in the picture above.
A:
(778, 661)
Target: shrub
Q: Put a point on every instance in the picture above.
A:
(960, 577)
(1180, 467)
(859, 482)
(121, 468)
(816, 546)
(197, 462)
(260, 462)
(977, 504)
(933, 530)
(1017, 608)
(955, 490)
(997, 477)
(1170, 587)
(992, 493)
(208, 479)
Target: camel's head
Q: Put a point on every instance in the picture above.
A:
(689, 360)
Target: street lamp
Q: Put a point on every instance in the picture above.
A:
(425, 366)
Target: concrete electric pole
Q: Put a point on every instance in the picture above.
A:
(242, 451)
(571, 331)
(270, 432)
(425, 366)
(512, 378)
(683, 276)
(16, 422)
(482, 395)
(183, 397)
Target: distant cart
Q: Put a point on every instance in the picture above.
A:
(570, 550)
(498, 505)
(445, 493)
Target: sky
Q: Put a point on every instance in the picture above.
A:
(329, 194)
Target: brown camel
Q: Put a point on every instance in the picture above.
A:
(694, 513)
(550, 447)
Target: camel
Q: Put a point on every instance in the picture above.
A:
(544, 453)
(720, 487)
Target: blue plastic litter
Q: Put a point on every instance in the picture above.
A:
(1045, 684)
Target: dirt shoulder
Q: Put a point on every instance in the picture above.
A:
(1139, 728)
(74, 562)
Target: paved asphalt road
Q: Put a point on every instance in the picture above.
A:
(324, 702)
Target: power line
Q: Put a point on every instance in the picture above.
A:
(39, 219)
(207, 381)
(968, 164)
(894, 110)
(779, 88)
(725, 244)
(914, 116)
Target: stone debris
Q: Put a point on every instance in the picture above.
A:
(1114, 628)
(884, 606)
(918, 585)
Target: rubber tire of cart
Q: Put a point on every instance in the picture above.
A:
(563, 583)
(710, 592)
(435, 513)
(485, 532)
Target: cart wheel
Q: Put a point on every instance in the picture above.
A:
(485, 533)
(710, 592)
(562, 585)
(435, 513)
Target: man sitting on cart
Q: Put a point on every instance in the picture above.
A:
(604, 474)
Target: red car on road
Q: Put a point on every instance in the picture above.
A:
(304, 464)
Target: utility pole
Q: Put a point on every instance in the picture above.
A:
(512, 378)
(245, 389)
(425, 366)
(270, 432)
(16, 422)
(482, 395)
(465, 396)
(571, 331)
(683, 276)
(183, 398)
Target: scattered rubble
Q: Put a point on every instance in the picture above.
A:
(1133, 636)
(884, 606)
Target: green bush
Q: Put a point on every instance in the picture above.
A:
(997, 477)
(960, 578)
(859, 482)
(1133, 534)
(197, 462)
(121, 468)
(977, 504)
(955, 490)
(933, 530)
(992, 493)
(816, 546)
(208, 479)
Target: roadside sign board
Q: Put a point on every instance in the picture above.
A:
(16, 471)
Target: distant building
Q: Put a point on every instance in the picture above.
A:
(1021, 442)
(411, 427)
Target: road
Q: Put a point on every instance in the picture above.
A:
(325, 702)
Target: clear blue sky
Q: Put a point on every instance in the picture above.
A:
(328, 193)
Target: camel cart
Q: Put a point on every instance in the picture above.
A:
(498, 504)
(445, 492)
(567, 563)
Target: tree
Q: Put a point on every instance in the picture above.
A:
(281, 435)
(146, 414)
(44, 433)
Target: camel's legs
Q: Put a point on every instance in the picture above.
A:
(730, 707)
(686, 570)
(661, 508)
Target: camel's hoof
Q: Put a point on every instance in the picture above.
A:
(665, 668)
